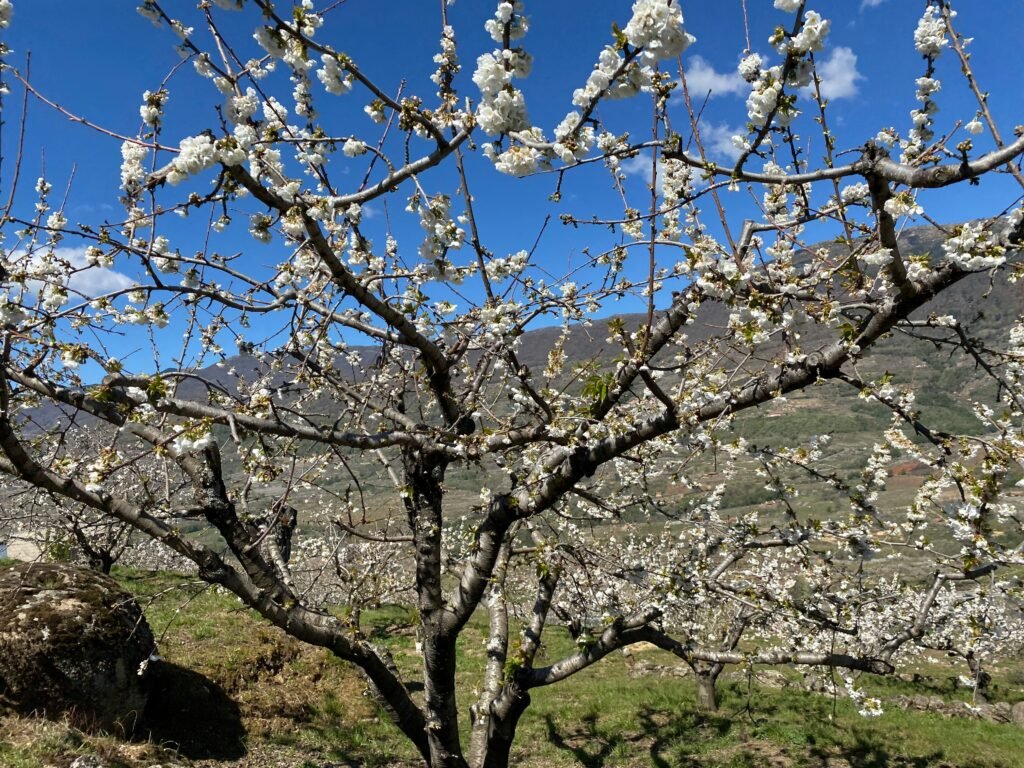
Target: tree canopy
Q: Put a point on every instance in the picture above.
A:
(486, 345)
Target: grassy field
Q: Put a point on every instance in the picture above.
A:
(234, 691)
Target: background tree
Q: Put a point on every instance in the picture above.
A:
(359, 349)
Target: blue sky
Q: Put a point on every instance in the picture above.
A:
(96, 58)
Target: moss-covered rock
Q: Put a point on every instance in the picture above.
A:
(72, 644)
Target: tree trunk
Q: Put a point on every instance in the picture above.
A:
(425, 477)
(982, 679)
(501, 728)
(439, 696)
(707, 696)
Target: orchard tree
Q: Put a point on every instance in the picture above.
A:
(377, 249)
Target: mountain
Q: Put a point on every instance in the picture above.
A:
(945, 383)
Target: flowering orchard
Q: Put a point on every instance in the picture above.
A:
(367, 247)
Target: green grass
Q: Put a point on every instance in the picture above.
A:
(241, 687)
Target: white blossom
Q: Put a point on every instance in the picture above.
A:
(930, 35)
(657, 27)
(334, 78)
(353, 148)
(504, 113)
(811, 37)
(750, 67)
(903, 204)
(490, 75)
(195, 154)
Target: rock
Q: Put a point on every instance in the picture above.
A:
(88, 761)
(74, 644)
(772, 678)
(817, 683)
(644, 668)
(1017, 714)
(999, 712)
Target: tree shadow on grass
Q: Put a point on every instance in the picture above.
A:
(583, 741)
(676, 729)
(193, 715)
(867, 752)
(658, 730)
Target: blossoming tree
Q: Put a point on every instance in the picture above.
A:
(407, 353)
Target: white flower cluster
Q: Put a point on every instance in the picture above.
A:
(154, 314)
(929, 40)
(502, 269)
(6, 11)
(751, 325)
(11, 313)
(148, 11)
(517, 160)
(974, 248)
(657, 27)
(602, 79)
(922, 133)
(240, 108)
(492, 74)
(676, 185)
(926, 86)
(271, 41)
(571, 141)
(195, 154)
(868, 706)
(503, 113)
(854, 193)
(163, 258)
(810, 38)
(879, 258)
(333, 76)
(99, 468)
(56, 221)
(152, 108)
(353, 148)
(510, 15)
(503, 107)
(750, 67)
(930, 35)
(183, 443)
(764, 96)
(441, 232)
(447, 60)
(903, 204)
(132, 172)
(498, 321)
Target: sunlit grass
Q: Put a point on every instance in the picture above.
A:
(308, 708)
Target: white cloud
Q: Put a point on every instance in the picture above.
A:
(88, 281)
(717, 138)
(701, 77)
(839, 74)
(640, 165)
(92, 281)
(870, 4)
